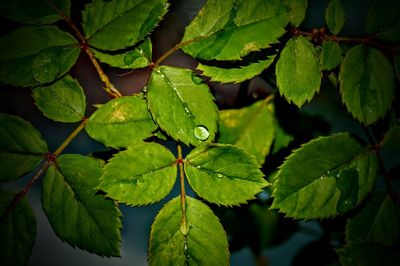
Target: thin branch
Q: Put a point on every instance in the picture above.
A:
(68, 140)
(109, 88)
(184, 224)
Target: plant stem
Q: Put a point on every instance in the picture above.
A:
(184, 226)
(63, 145)
(109, 88)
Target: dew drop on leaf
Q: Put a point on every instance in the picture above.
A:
(45, 69)
(201, 133)
(196, 79)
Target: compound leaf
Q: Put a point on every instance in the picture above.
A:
(236, 75)
(297, 11)
(115, 25)
(224, 174)
(325, 177)
(49, 54)
(366, 83)
(182, 105)
(368, 253)
(252, 128)
(121, 122)
(331, 55)
(34, 11)
(137, 58)
(76, 213)
(335, 16)
(298, 73)
(143, 174)
(17, 231)
(62, 101)
(391, 140)
(204, 244)
(22, 147)
(229, 30)
(378, 221)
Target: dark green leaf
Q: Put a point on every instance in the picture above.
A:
(297, 11)
(382, 16)
(62, 101)
(49, 54)
(378, 221)
(391, 140)
(335, 16)
(229, 30)
(34, 11)
(17, 232)
(182, 105)
(143, 174)
(133, 59)
(252, 128)
(21, 147)
(367, 253)
(224, 174)
(121, 122)
(236, 75)
(298, 72)
(366, 83)
(114, 25)
(204, 244)
(331, 55)
(396, 60)
(281, 140)
(325, 177)
(77, 214)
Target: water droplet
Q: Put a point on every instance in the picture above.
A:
(338, 175)
(201, 133)
(196, 79)
(219, 175)
(254, 94)
(45, 68)
(346, 202)
(199, 166)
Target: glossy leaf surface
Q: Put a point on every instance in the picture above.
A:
(205, 243)
(252, 128)
(34, 11)
(335, 16)
(62, 101)
(21, 147)
(130, 20)
(49, 54)
(366, 83)
(297, 11)
(331, 55)
(17, 232)
(235, 75)
(224, 174)
(143, 174)
(76, 213)
(182, 105)
(137, 58)
(229, 30)
(121, 122)
(298, 73)
(325, 177)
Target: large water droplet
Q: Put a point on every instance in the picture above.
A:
(196, 79)
(201, 133)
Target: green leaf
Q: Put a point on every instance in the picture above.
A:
(143, 174)
(331, 55)
(368, 253)
(62, 101)
(298, 72)
(49, 54)
(382, 16)
(252, 128)
(378, 221)
(17, 232)
(366, 83)
(236, 75)
(121, 122)
(325, 177)
(391, 140)
(335, 16)
(22, 147)
(137, 58)
(224, 174)
(76, 213)
(297, 11)
(281, 139)
(229, 30)
(205, 243)
(117, 24)
(182, 105)
(34, 11)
